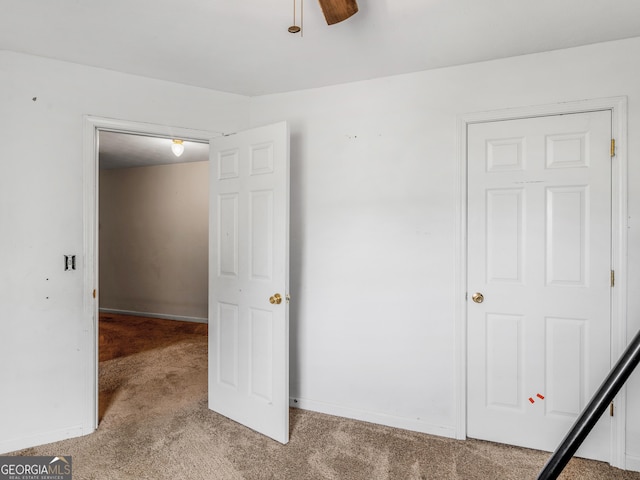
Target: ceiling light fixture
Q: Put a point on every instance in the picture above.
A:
(177, 147)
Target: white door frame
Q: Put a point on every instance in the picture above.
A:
(618, 107)
(89, 342)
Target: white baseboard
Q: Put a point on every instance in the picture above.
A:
(632, 462)
(15, 444)
(155, 315)
(374, 417)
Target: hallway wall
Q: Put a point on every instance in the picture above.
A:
(154, 240)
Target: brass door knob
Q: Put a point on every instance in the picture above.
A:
(276, 299)
(477, 297)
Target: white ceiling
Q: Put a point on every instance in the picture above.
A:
(244, 47)
(122, 150)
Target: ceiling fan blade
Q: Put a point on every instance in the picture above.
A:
(338, 10)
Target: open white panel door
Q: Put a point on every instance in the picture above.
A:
(249, 279)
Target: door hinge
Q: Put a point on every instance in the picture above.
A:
(94, 293)
(613, 147)
(613, 278)
(611, 409)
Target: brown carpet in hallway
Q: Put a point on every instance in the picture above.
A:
(156, 425)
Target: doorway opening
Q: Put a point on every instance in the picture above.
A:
(157, 136)
(249, 245)
(152, 250)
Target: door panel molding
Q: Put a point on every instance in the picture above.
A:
(618, 108)
(249, 264)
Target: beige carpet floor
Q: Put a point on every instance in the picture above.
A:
(156, 425)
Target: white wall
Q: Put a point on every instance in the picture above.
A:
(374, 187)
(43, 361)
(154, 249)
(374, 182)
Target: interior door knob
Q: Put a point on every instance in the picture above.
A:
(477, 297)
(275, 299)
